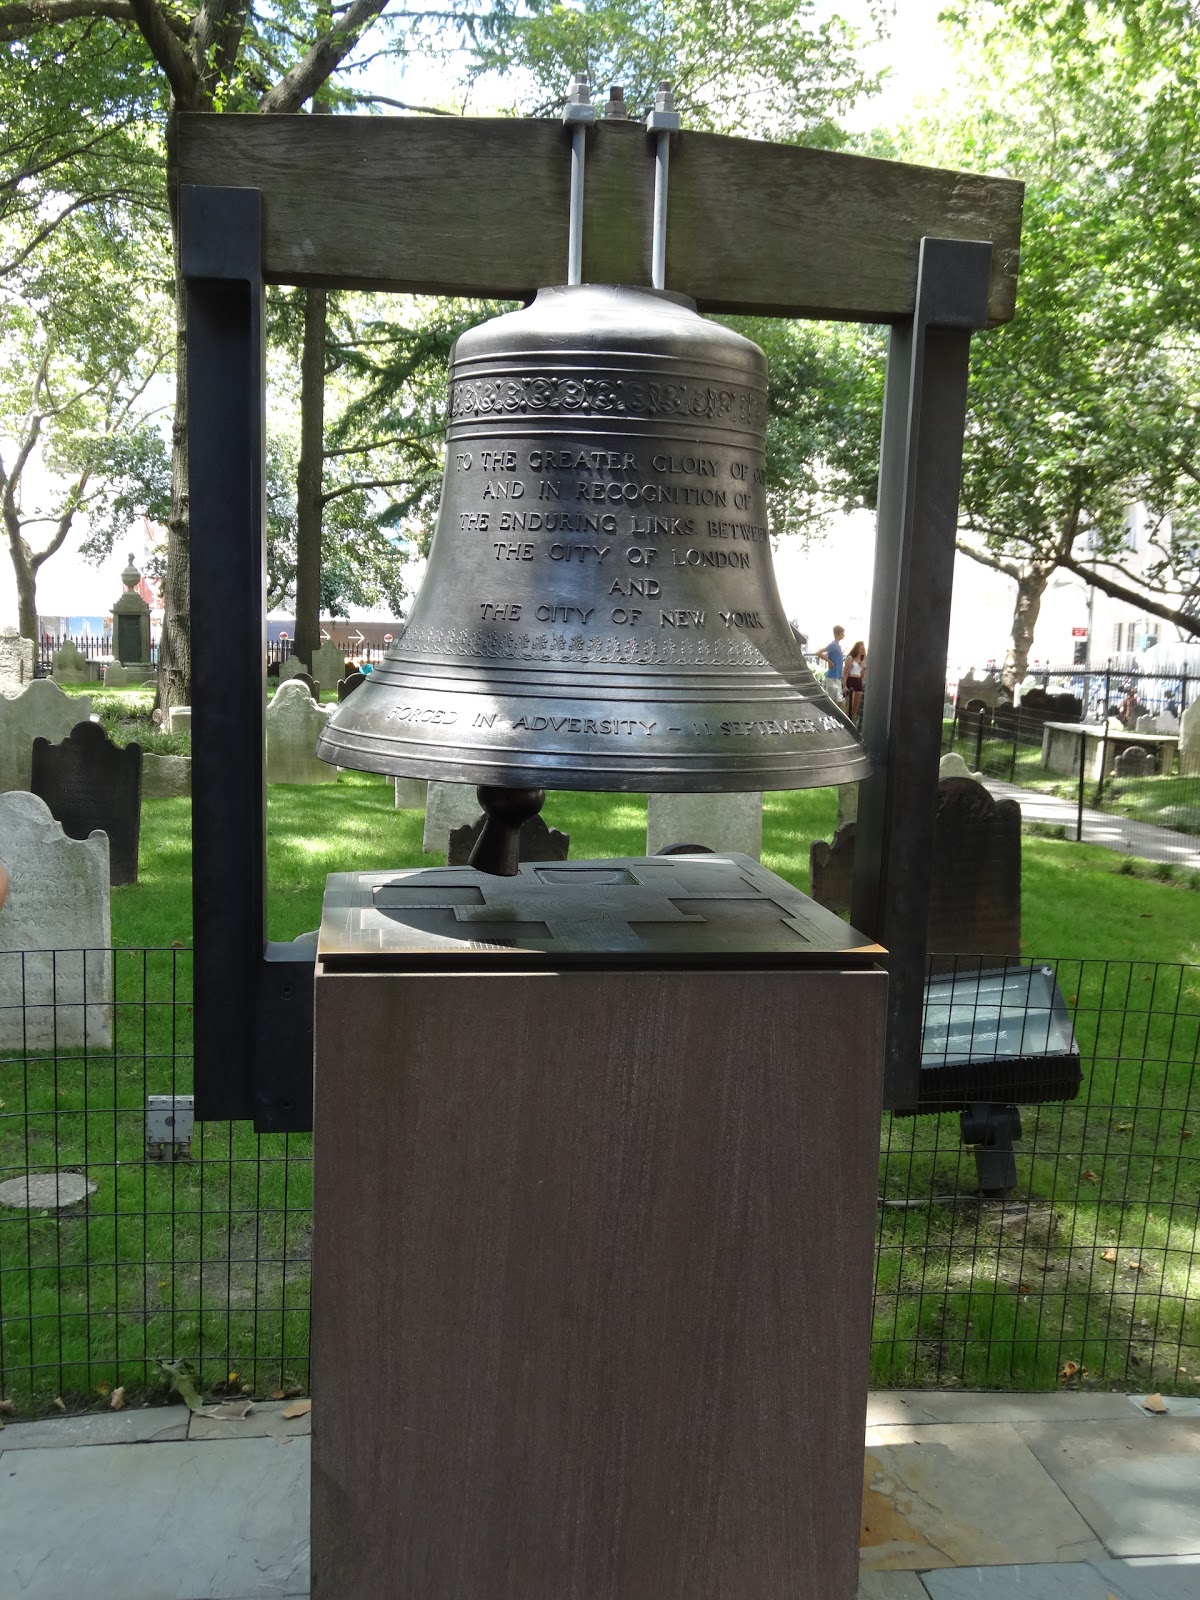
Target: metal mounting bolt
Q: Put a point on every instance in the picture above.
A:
(579, 107)
(663, 118)
(616, 110)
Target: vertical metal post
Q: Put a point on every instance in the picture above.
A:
(919, 477)
(577, 114)
(661, 122)
(252, 1001)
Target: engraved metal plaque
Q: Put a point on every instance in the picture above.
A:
(640, 911)
(600, 609)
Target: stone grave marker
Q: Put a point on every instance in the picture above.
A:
(42, 710)
(1189, 739)
(1147, 724)
(294, 723)
(847, 803)
(16, 661)
(975, 887)
(349, 683)
(410, 794)
(309, 682)
(290, 666)
(55, 933)
(952, 765)
(537, 842)
(69, 664)
(166, 777)
(723, 822)
(90, 783)
(447, 806)
(131, 677)
(179, 719)
(329, 663)
(1133, 763)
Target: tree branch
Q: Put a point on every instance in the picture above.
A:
(171, 54)
(21, 17)
(322, 59)
(1121, 591)
(1008, 568)
(360, 99)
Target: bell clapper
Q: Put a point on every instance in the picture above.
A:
(662, 122)
(498, 848)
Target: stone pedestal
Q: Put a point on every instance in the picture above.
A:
(726, 822)
(131, 623)
(598, 1243)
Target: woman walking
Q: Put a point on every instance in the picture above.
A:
(852, 680)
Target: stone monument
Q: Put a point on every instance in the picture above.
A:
(328, 663)
(1189, 739)
(69, 664)
(447, 806)
(294, 722)
(1133, 762)
(410, 794)
(16, 661)
(40, 710)
(131, 632)
(179, 719)
(91, 784)
(290, 666)
(58, 901)
(723, 822)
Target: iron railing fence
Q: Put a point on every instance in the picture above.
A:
(196, 1250)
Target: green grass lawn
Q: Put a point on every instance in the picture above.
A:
(208, 1259)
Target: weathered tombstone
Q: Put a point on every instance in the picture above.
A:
(1168, 721)
(294, 723)
(723, 822)
(410, 794)
(16, 661)
(131, 622)
(1133, 763)
(68, 664)
(1147, 724)
(309, 682)
(55, 933)
(179, 719)
(349, 683)
(166, 777)
(132, 677)
(537, 842)
(290, 666)
(329, 663)
(90, 783)
(447, 806)
(847, 803)
(952, 765)
(1189, 739)
(40, 710)
(986, 690)
(831, 869)
(975, 882)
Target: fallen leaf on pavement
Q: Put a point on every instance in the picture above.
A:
(299, 1408)
(1155, 1403)
(230, 1411)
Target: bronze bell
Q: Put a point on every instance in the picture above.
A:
(600, 609)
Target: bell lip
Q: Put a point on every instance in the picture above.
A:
(676, 296)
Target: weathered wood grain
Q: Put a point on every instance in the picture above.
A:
(592, 1282)
(479, 207)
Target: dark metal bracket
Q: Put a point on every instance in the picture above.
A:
(252, 998)
(920, 471)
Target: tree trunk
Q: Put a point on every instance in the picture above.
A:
(1031, 586)
(309, 507)
(175, 645)
(27, 616)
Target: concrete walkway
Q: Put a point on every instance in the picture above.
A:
(1126, 834)
(966, 1497)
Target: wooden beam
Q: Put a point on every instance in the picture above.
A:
(478, 206)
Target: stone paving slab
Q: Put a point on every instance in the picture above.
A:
(948, 1494)
(1169, 1578)
(919, 1406)
(160, 1521)
(1137, 1482)
(98, 1427)
(265, 1421)
(891, 1586)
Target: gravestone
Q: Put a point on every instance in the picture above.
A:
(986, 690)
(952, 765)
(537, 842)
(166, 777)
(290, 666)
(847, 803)
(294, 724)
(447, 806)
(131, 622)
(132, 677)
(329, 663)
(55, 933)
(349, 683)
(179, 719)
(410, 794)
(1037, 708)
(309, 682)
(90, 783)
(1133, 763)
(723, 822)
(1189, 739)
(69, 664)
(1168, 721)
(16, 661)
(42, 710)
(1147, 724)
(975, 880)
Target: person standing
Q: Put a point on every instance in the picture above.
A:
(834, 658)
(852, 679)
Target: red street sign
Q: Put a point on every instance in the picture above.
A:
(1079, 633)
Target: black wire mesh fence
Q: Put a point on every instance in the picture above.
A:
(128, 1240)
